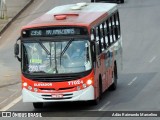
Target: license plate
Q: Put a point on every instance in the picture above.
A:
(57, 96)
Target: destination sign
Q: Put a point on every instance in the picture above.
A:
(51, 32)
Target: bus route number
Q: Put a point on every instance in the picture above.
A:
(36, 33)
(76, 82)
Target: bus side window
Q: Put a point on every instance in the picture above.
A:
(98, 39)
(108, 33)
(117, 26)
(118, 21)
(114, 27)
(103, 35)
(111, 29)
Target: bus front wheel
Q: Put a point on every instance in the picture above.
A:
(96, 101)
(120, 1)
(37, 105)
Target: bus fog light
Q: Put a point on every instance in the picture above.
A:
(84, 85)
(89, 82)
(24, 84)
(35, 89)
(78, 87)
(29, 88)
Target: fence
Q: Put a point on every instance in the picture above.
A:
(3, 9)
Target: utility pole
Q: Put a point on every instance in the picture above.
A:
(3, 9)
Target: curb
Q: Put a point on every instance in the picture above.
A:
(13, 19)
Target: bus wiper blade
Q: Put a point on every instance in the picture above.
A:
(38, 72)
(45, 49)
(65, 48)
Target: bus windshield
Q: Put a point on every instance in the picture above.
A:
(68, 56)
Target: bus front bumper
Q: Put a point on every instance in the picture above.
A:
(81, 95)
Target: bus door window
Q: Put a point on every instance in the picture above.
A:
(93, 46)
(97, 42)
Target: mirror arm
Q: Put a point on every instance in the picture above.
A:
(19, 59)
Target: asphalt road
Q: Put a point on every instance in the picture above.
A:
(138, 84)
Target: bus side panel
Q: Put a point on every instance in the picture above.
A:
(119, 56)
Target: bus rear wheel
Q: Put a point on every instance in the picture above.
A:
(115, 77)
(38, 105)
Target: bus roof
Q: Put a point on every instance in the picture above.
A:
(74, 15)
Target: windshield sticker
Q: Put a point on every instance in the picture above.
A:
(36, 68)
(38, 61)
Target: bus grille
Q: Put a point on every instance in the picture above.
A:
(49, 97)
(57, 98)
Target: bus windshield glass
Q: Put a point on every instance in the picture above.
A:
(68, 56)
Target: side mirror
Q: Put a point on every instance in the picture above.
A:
(16, 52)
(16, 49)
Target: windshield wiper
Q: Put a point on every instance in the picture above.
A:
(45, 49)
(38, 72)
(65, 48)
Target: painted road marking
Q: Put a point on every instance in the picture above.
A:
(8, 75)
(11, 104)
(9, 97)
(134, 79)
(105, 105)
(152, 59)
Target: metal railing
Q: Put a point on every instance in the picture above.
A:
(3, 9)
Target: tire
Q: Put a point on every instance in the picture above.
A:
(122, 1)
(96, 101)
(94, 0)
(38, 105)
(115, 77)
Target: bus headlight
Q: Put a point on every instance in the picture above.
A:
(29, 88)
(89, 82)
(24, 84)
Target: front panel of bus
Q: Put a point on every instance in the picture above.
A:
(56, 64)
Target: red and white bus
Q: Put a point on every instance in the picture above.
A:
(71, 53)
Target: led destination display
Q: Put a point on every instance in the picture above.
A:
(56, 31)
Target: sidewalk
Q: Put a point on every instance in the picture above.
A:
(9, 88)
(14, 8)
